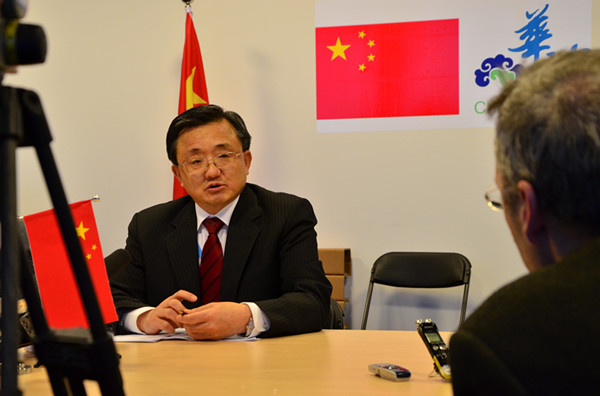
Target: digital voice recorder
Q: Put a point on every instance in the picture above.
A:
(436, 346)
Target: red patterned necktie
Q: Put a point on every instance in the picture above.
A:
(211, 262)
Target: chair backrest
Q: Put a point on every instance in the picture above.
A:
(336, 315)
(420, 270)
(116, 261)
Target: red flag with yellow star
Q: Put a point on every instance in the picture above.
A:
(387, 70)
(192, 90)
(56, 281)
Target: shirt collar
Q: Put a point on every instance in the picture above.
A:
(224, 214)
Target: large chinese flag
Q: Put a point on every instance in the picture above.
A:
(387, 70)
(192, 90)
(56, 281)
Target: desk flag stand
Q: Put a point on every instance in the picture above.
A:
(70, 357)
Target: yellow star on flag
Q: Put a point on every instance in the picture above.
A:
(338, 50)
(191, 97)
(361, 34)
(81, 230)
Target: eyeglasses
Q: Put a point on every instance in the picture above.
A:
(221, 161)
(494, 198)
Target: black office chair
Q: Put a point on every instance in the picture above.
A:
(336, 315)
(116, 261)
(420, 270)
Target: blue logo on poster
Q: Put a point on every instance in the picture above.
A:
(504, 69)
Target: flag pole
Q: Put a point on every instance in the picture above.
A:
(192, 86)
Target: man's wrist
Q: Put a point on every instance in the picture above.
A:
(140, 321)
(260, 320)
(249, 328)
(130, 319)
(250, 325)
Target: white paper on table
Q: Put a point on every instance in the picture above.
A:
(180, 334)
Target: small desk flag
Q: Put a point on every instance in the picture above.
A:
(192, 89)
(56, 281)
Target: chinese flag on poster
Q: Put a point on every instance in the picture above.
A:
(387, 70)
(192, 90)
(58, 289)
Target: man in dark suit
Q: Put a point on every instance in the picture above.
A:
(271, 283)
(539, 334)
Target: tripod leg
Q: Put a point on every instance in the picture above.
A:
(59, 387)
(76, 386)
(9, 134)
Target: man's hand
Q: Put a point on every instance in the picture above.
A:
(216, 321)
(165, 316)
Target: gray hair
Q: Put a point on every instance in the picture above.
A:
(548, 133)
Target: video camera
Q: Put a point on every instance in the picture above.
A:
(20, 44)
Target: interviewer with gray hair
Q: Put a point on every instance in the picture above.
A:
(539, 334)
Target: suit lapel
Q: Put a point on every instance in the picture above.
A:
(241, 236)
(182, 246)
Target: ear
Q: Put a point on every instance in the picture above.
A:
(247, 160)
(532, 220)
(176, 171)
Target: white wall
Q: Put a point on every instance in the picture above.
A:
(110, 88)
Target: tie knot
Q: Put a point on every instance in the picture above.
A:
(212, 224)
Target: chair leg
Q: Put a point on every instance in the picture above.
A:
(463, 310)
(363, 325)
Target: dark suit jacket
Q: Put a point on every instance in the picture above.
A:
(270, 258)
(537, 336)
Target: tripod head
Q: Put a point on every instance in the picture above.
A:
(20, 44)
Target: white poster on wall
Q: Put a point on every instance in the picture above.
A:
(388, 65)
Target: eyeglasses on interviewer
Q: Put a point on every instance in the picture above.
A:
(494, 198)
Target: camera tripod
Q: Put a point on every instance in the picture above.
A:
(69, 357)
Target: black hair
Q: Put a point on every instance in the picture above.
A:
(202, 115)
